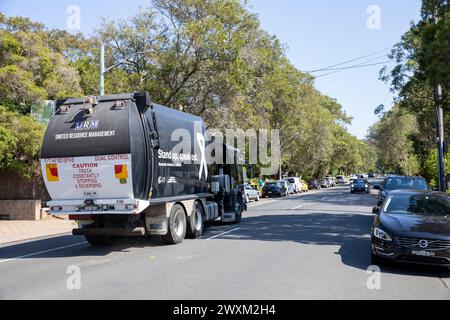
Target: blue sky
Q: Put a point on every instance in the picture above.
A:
(317, 33)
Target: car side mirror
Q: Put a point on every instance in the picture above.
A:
(376, 210)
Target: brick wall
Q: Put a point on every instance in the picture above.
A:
(21, 209)
(15, 187)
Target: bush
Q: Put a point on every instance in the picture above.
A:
(20, 143)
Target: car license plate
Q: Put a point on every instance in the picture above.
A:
(423, 253)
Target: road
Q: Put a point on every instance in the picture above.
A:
(309, 246)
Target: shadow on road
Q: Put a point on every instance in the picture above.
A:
(71, 246)
(337, 226)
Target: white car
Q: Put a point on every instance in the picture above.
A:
(250, 193)
(341, 180)
(297, 183)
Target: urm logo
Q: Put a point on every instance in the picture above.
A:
(86, 125)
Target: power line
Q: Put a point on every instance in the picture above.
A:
(352, 60)
(336, 70)
(360, 66)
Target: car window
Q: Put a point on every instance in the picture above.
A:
(405, 183)
(418, 204)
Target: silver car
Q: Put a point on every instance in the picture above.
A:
(251, 193)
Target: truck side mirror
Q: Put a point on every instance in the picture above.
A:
(376, 210)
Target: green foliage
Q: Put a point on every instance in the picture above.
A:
(430, 168)
(391, 138)
(30, 68)
(423, 57)
(20, 142)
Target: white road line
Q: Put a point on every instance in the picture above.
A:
(40, 252)
(261, 203)
(223, 233)
(296, 207)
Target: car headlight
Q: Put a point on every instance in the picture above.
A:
(367, 185)
(381, 234)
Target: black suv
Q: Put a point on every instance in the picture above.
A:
(396, 182)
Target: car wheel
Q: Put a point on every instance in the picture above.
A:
(247, 199)
(257, 197)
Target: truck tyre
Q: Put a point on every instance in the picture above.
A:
(99, 240)
(176, 226)
(196, 222)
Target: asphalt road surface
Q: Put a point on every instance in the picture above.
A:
(309, 246)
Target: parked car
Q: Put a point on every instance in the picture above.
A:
(250, 193)
(290, 188)
(314, 184)
(376, 184)
(413, 227)
(297, 183)
(274, 189)
(305, 187)
(396, 182)
(341, 180)
(325, 183)
(360, 185)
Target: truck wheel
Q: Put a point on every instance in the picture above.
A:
(99, 240)
(177, 226)
(196, 222)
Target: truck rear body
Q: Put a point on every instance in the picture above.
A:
(123, 166)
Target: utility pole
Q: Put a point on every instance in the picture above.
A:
(440, 138)
(440, 129)
(101, 82)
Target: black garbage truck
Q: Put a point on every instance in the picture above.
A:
(123, 166)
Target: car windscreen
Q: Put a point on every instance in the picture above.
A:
(405, 183)
(433, 205)
(290, 180)
(268, 185)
